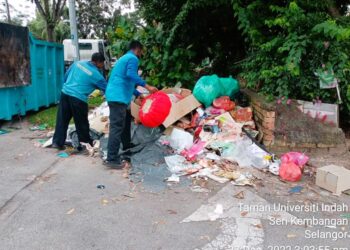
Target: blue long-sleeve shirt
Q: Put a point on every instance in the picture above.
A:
(81, 79)
(124, 79)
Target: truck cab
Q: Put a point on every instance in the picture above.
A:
(86, 48)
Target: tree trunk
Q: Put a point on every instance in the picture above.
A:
(50, 32)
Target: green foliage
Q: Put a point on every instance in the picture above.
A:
(38, 29)
(94, 17)
(51, 12)
(161, 66)
(184, 39)
(291, 40)
(282, 43)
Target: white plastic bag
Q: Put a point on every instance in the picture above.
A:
(180, 139)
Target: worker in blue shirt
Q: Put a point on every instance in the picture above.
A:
(121, 86)
(81, 79)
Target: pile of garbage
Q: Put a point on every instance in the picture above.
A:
(209, 135)
(217, 140)
(213, 146)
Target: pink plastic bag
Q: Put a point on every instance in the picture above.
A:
(297, 158)
(290, 171)
(196, 149)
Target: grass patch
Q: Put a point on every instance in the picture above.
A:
(48, 115)
(95, 101)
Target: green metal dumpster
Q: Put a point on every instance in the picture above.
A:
(47, 72)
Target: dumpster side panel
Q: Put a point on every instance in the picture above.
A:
(47, 68)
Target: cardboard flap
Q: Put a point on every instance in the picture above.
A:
(180, 109)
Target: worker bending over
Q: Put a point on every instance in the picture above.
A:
(81, 79)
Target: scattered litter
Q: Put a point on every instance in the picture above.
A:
(243, 114)
(244, 213)
(180, 139)
(212, 156)
(239, 195)
(70, 211)
(129, 196)
(177, 164)
(199, 189)
(274, 167)
(100, 186)
(73, 140)
(170, 211)
(40, 127)
(244, 180)
(296, 189)
(206, 172)
(3, 131)
(289, 236)
(63, 155)
(48, 143)
(173, 178)
(230, 175)
(104, 201)
(224, 103)
(195, 150)
(260, 159)
(219, 210)
(93, 150)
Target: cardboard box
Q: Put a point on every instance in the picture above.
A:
(333, 178)
(178, 109)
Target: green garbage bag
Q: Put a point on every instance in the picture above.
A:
(229, 86)
(207, 89)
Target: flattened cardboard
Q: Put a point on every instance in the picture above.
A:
(178, 110)
(333, 178)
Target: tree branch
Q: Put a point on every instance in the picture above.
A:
(40, 8)
(62, 8)
(54, 10)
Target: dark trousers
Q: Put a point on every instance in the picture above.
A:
(72, 107)
(119, 129)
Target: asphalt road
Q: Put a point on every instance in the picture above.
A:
(47, 202)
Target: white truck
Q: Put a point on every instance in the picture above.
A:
(86, 48)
